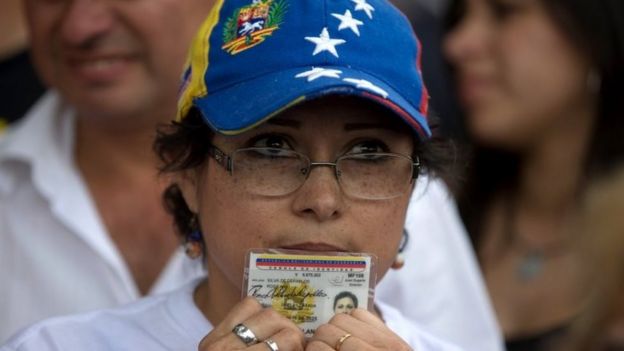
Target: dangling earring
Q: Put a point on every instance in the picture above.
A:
(194, 241)
(399, 260)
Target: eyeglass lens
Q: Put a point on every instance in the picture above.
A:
(278, 172)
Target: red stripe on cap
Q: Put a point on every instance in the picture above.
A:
(424, 102)
(419, 55)
(423, 107)
(399, 111)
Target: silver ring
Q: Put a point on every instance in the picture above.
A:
(271, 344)
(245, 334)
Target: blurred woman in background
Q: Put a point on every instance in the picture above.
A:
(538, 80)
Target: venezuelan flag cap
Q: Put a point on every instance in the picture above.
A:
(254, 58)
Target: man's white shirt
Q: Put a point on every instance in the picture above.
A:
(56, 256)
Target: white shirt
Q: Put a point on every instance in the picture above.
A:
(441, 287)
(163, 323)
(56, 256)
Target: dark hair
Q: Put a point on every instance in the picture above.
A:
(184, 146)
(596, 28)
(344, 294)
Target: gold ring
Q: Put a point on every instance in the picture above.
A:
(341, 341)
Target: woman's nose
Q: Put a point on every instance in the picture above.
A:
(320, 197)
(471, 36)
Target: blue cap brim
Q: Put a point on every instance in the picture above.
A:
(243, 106)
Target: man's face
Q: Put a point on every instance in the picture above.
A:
(114, 57)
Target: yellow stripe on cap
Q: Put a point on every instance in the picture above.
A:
(287, 106)
(198, 60)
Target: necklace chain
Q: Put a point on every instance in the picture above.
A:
(530, 266)
(533, 259)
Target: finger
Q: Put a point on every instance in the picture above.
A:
(355, 326)
(370, 333)
(334, 338)
(240, 312)
(365, 334)
(368, 318)
(327, 334)
(286, 339)
(350, 342)
(317, 345)
(268, 322)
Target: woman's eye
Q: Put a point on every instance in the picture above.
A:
(272, 141)
(368, 147)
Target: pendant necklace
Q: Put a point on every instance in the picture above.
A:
(530, 266)
(533, 259)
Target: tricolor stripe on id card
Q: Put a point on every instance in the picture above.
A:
(311, 263)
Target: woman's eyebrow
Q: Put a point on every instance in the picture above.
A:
(285, 122)
(362, 126)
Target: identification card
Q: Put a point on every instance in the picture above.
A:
(309, 288)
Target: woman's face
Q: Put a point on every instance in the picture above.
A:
(315, 217)
(518, 76)
(344, 305)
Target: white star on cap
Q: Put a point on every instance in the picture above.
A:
(362, 5)
(318, 72)
(347, 21)
(325, 43)
(364, 84)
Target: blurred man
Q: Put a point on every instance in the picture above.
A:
(81, 220)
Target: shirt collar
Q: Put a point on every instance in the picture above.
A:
(43, 140)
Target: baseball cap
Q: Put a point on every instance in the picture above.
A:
(252, 59)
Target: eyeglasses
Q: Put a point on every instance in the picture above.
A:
(277, 172)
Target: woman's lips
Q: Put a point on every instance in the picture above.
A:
(318, 247)
(474, 89)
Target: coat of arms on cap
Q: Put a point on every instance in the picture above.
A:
(250, 25)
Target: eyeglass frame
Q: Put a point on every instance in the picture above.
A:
(226, 161)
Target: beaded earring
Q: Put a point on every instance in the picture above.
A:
(194, 241)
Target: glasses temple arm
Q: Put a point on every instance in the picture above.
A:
(221, 157)
(416, 168)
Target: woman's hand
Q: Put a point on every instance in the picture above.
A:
(264, 323)
(361, 330)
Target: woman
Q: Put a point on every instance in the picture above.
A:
(315, 149)
(539, 81)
